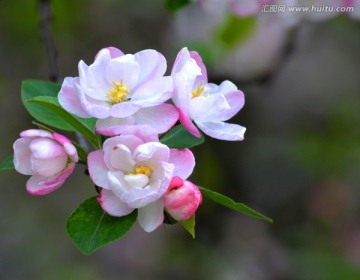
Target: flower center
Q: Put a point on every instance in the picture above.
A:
(118, 93)
(200, 89)
(143, 170)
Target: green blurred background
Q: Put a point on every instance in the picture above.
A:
(299, 162)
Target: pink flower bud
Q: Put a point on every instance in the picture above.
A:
(182, 199)
(49, 157)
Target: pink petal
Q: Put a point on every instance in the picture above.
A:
(69, 98)
(222, 130)
(112, 205)
(121, 158)
(161, 118)
(203, 77)
(187, 123)
(151, 216)
(181, 58)
(130, 141)
(152, 153)
(181, 201)
(123, 69)
(145, 133)
(124, 109)
(209, 109)
(98, 169)
(34, 133)
(182, 92)
(48, 157)
(39, 185)
(152, 65)
(95, 108)
(68, 146)
(184, 162)
(114, 52)
(236, 101)
(114, 126)
(176, 182)
(22, 156)
(153, 92)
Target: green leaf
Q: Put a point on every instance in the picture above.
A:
(236, 30)
(180, 138)
(189, 225)
(52, 104)
(43, 127)
(229, 203)
(91, 228)
(174, 5)
(8, 163)
(33, 88)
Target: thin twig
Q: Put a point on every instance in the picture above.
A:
(48, 40)
(52, 54)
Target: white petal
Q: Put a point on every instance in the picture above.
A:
(161, 118)
(151, 216)
(208, 109)
(48, 157)
(124, 69)
(223, 131)
(22, 156)
(98, 169)
(151, 153)
(69, 97)
(130, 141)
(112, 205)
(136, 180)
(152, 64)
(121, 158)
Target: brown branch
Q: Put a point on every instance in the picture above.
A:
(52, 53)
(48, 40)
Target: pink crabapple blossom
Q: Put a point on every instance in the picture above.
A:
(121, 91)
(48, 157)
(182, 199)
(134, 171)
(207, 104)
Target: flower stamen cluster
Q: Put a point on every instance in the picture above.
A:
(118, 93)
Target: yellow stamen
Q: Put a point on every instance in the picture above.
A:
(199, 90)
(118, 93)
(143, 170)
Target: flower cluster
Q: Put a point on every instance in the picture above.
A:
(134, 104)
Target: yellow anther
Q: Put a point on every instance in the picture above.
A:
(143, 170)
(199, 90)
(118, 93)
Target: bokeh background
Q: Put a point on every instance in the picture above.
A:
(299, 162)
